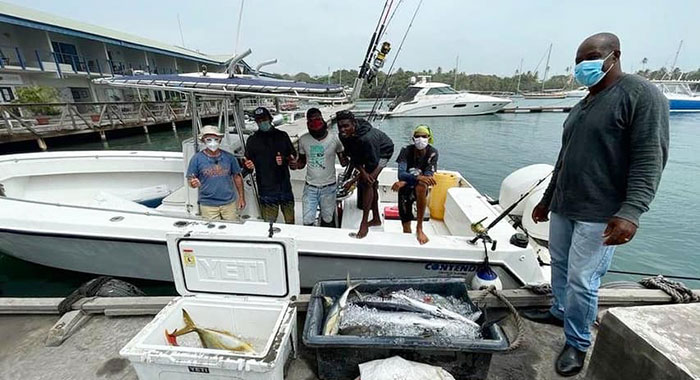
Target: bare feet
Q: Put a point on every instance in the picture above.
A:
(375, 222)
(406, 228)
(422, 238)
(364, 228)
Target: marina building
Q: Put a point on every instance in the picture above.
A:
(42, 49)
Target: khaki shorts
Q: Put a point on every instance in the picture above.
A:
(225, 212)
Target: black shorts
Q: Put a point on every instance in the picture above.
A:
(407, 197)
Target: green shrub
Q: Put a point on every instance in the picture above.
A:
(38, 94)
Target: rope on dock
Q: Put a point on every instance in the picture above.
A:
(104, 286)
(515, 343)
(540, 289)
(677, 290)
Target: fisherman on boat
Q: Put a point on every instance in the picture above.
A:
(369, 150)
(271, 154)
(215, 172)
(417, 164)
(319, 148)
(614, 148)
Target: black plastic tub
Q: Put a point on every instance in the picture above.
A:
(338, 356)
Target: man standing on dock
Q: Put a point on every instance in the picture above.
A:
(369, 150)
(614, 148)
(270, 153)
(215, 172)
(319, 148)
(417, 164)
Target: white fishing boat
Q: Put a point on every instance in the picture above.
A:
(108, 212)
(426, 99)
(682, 95)
(580, 92)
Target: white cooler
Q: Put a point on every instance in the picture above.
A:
(243, 285)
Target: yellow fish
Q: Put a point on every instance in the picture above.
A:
(222, 340)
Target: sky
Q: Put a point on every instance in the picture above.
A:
(490, 37)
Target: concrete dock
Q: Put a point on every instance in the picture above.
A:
(92, 350)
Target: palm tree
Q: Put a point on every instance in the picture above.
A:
(645, 60)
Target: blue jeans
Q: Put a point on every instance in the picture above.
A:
(579, 260)
(314, 197)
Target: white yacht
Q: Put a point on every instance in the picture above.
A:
(427, 99)
(108, 212)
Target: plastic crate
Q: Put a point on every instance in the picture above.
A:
(338, 356)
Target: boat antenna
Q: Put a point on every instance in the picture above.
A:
(238, 31)
(182, 37)
(675, 60)
(380, 99)
(482, 232)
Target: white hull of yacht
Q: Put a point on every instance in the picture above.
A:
(75, 211)
(448, 108)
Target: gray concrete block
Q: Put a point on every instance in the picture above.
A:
(651, 342)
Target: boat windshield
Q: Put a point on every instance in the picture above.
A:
(441, 91)
(408, 95)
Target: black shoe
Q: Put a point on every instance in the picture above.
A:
(570, 361)
(542, 316)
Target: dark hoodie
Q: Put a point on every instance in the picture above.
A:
(368, 146)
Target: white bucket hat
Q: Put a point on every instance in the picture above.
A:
(210, 130)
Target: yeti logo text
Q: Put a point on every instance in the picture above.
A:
(232, 270)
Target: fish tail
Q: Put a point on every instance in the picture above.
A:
(171, 338)
(189, 324)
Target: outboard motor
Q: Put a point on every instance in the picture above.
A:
(518, 183)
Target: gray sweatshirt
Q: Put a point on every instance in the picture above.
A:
(614, 148)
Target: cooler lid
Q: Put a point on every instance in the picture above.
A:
(225, 264)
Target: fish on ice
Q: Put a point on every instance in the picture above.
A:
(216, 339)
(332, 321)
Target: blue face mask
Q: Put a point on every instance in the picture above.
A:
(264, 126)
(590, 73)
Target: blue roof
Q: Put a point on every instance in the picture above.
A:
(183, 82)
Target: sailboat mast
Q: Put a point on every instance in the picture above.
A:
(456, 68)
(520, 75)
(546, 68)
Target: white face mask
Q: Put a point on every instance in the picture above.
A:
(420, 142)
(212, 144)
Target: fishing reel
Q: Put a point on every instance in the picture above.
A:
(482, 233)
(378, 61)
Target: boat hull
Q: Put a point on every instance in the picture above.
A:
(684, 105)
(450, 109)
(142, 259)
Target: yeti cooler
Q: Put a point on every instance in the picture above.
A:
(238, 284)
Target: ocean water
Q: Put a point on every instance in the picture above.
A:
(485, 149)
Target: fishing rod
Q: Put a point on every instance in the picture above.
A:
(375, 38)
(482, 232)
(372, 115)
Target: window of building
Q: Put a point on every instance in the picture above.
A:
(7, 94)
(66, 53)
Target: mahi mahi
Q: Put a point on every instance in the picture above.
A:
(216, 339)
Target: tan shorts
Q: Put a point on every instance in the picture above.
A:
(225, 212)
